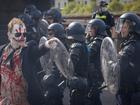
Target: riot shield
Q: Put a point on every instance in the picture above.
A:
(110, 65)
(46, 60)
(59, 55)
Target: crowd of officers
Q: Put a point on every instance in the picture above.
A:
(83, 45)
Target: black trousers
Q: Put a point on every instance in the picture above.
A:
(54, 96)
(128, 98)
(94, 99)
(78, 97)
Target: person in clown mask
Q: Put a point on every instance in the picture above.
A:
(18, 82)
(17, 35)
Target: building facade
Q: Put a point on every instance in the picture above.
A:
(61, 3)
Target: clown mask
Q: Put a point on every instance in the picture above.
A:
(17, 36)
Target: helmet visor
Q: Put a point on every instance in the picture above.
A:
(88, 28)
(119, 25)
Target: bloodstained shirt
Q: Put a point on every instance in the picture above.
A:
(13, 87)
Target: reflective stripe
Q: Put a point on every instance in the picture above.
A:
(100, 17)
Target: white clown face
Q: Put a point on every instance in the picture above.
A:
(18, 35)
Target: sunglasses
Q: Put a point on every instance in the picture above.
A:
(19, 34)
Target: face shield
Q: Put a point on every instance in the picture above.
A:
(123, 27)
(87, 28)
(119, 25)
(90, 30)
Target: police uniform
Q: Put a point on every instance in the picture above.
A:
(129, 90)
(79, 55)
(129, 58)
(95, 77)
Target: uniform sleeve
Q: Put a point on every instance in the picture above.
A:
(94, 48)
(75, 53)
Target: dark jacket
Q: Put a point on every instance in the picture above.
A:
(79, 56)
(129, 64)
(95, 75)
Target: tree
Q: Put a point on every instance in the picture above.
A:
(115, 6)
(77, 9)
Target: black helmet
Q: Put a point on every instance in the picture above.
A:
(76, 31)
(26, 19)
(36, 14)
(132, 19)
(29, 9)
(103, 3)
(99, 26)
(58, 30)
(55, 14)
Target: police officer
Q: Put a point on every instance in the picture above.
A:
(53, 16)
(39, 28)
(79, 55)
(52, 87)
(39, 25)
(103, 14)
(96, 28)
(129, 58)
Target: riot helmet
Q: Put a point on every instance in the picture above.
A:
(54, 14)
(57, 30)
(76, 31)
(98, 25)
(29, 9)
(132, 20)
(36, 14)
(26, 19)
